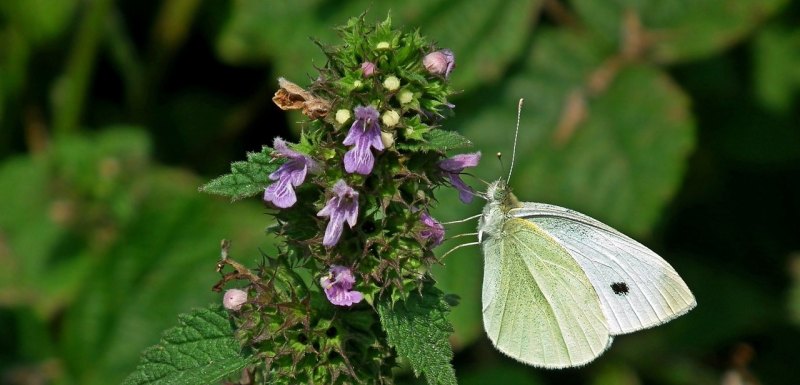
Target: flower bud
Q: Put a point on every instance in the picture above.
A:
(234, 299)
(383, 45)
(390, 118)
(342, 116)
(368, 69)
(391, 83)
(357, 84)
(440, 62)
(387, 139)
(405, 97)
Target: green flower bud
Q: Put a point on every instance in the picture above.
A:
(387, 138)
(390, 118)
(342, 116)
(391, 83)
(405, 97)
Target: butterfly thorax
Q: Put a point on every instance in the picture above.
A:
(500, 201)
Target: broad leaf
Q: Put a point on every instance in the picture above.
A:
(201, 350)
(418, 329)
(678, 30)
(611, 143)
(777, 66)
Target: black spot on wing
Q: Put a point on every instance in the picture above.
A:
(620, 288)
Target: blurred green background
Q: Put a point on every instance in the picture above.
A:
(674, 121)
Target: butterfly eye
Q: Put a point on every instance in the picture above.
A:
(620, 288)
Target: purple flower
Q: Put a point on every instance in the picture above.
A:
(234, 299)
(343, 206)
(433, 231)
(364, 133)
(291, 174)
(440, 62)
(368, 69)
(338, 284)
(452, 167)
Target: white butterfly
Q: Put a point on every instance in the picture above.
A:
(559, 285)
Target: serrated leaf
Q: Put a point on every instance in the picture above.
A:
(436, 139)
(247, 178)
(418, 329)
(201, 350)
(679, 30)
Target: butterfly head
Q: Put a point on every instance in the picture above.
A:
(498, 193)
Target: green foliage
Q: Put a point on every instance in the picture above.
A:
(674, 31)
(585, 144)
(201, 350)
(39, 20)
(794, 291)
(681, 129)
(247, 178)
(777, 66)
(97, 237)
(437, 140)
(259, 31)
(303, 330)
(417, 327)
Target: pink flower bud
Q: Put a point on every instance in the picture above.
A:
(234, 299)
(440, 62)
(368, 69)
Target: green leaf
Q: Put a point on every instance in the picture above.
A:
(163, 263)
(247, 178)
(39, 20)
(440, 140)
(679, 30)
(794, 291)
(53, 207)
(279, 32)
(94, 234)
(777, 66)
(418, 329)
(613, 150)
(201, 350)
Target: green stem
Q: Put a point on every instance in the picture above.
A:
(69, 93)
(123, 54)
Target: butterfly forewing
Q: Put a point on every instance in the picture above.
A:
(637, 288)
(538, 305)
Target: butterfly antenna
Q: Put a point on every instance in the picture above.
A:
(500, 159)
(516, 134)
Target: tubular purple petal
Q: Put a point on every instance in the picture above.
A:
(364, 134)
(290, 174)
(433, 232)
(338, 285)
(341, 208)
(452, 168)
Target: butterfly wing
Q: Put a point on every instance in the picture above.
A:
(637, 288)
(538, 305)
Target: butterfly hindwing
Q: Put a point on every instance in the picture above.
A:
(538, 305)
(636, 287)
